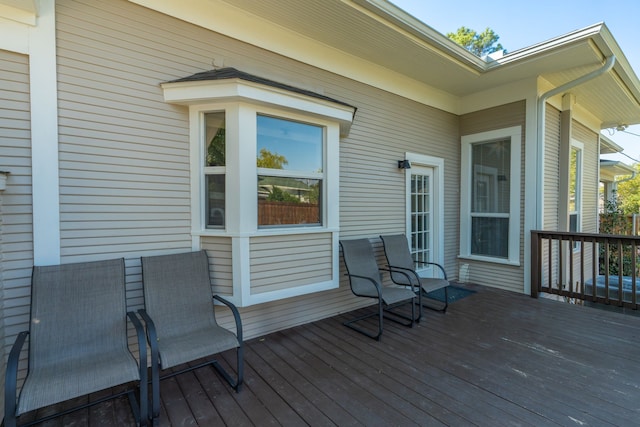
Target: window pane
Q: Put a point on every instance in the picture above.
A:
(215, 139)
(573, 180)
(491, 165)
(284, 144)
(490, 237)
(215, 200)
(289, 201)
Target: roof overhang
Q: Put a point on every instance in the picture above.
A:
(610, 169)
(607, 146)
(397, 46)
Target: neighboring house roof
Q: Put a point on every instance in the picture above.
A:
(610, 169)
(607, 146)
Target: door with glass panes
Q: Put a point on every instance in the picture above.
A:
(420, 216)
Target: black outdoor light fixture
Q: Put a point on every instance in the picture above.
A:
(404, 164)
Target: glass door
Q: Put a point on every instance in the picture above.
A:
(420, 228)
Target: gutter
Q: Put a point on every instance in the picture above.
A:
(608, 65)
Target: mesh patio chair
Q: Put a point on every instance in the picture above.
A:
(77, 341)
(180, 318)
(402, 271)
(365, 281)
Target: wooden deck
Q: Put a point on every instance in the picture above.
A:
(494, 359)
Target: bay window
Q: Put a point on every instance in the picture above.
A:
(264, 160)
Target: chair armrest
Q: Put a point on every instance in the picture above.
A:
(376, 284)
(142, 364)
(152, 335)
(405, 272)
(444, 273)
(11, 377)
(236, 315)
(142, 342)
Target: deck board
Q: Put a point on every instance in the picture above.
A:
(494, 359)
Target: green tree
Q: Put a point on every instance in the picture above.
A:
(479, 44)
(629, 193)
(277, 194)
(216, 149)
(270, 160)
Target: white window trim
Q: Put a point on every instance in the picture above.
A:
(515, 135)
(579, 146)
(242, 101)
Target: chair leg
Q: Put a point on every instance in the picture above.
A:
(380, 314)
(439, 305)
(237, 383)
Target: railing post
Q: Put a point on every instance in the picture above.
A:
(535, 264)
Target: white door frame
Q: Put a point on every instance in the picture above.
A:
(437, 200)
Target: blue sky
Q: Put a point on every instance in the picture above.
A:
(524, 23)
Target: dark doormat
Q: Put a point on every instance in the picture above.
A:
(455, 293)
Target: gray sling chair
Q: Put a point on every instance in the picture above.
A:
(365, 281)
(402, 266)
(180, 318)
(77, 341)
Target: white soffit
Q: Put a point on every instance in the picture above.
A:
(23, 11)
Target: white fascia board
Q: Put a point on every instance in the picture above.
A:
(24, 15)
(224, 18)
(14, 36)
(501, 95)
(237, 90)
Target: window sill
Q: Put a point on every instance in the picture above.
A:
(490, 260)
(267, 232)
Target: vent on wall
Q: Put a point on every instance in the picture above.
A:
(463, 274)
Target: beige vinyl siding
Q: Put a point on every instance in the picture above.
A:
(124, 152)
(124, 155)
(16, 220)
(551, 190)
(372, 197)
(282, 262)
(487, 273)
(220, 266)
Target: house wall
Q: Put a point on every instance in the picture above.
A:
(487, 273)
(16, 246)
(124, 152)
(554, 195)
(591, 166)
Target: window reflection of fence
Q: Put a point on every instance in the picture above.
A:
(280, 213)
(600, 268)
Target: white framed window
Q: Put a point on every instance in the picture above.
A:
(214, 168)
(575, 188)
(490, 196)
(290, 161)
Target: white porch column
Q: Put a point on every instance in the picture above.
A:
(44, 136)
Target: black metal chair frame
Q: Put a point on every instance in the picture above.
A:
(156, 365)
(382, 308)
(442, 307)
(152, 335)
(139, 409)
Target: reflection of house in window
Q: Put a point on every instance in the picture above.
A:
(485, 180)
